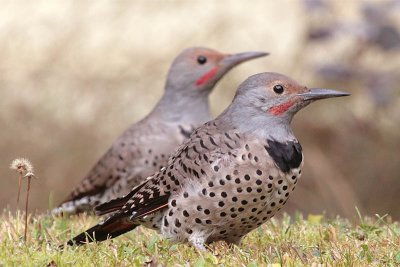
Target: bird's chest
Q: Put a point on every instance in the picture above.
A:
(253, 201)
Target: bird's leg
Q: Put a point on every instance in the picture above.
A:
(198, 243)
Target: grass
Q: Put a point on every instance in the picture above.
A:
(289, 241)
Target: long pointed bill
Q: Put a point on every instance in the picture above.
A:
(235, 59)
(227, 63)
(318, 93)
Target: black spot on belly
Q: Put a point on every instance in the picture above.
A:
(286, 155)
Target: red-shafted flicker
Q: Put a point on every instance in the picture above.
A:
(145, 147)
(232, 174)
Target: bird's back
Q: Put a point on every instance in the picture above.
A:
(139, 152)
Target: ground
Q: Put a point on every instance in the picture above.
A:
(288, 241)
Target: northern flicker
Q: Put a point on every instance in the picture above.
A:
(144, 147)
(228, 178)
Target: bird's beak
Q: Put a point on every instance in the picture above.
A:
(235, 59)
(318, 93)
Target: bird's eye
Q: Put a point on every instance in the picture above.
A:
(201, 59)
(278, 89)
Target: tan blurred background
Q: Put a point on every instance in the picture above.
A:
(75, 74)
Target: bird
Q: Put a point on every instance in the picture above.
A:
(232, 175)
(146, 145)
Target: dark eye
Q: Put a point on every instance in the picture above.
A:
(201, 59)
(278, 89)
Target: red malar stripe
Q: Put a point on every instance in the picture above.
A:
(278, 110)
(203, 79)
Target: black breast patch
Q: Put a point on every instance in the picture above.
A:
(184, 132)
(286, 155)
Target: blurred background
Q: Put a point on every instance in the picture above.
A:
(75, 74)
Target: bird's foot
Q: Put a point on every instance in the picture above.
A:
(198, 243)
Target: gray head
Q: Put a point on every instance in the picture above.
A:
(196, 70)
(270, 100)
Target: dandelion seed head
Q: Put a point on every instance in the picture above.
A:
(21, 165)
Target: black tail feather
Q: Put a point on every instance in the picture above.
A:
(110, 206)
(103, 231)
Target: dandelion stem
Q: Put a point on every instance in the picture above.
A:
(19, 188)
(26, 208)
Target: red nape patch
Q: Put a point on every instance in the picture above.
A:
(278, 110)
(203, 79)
